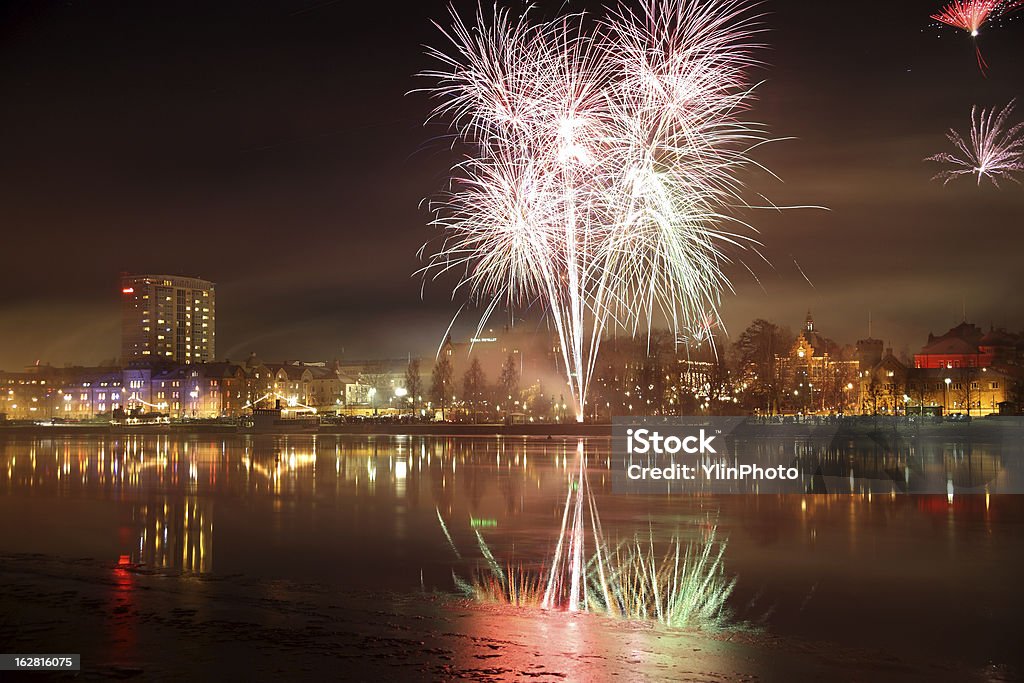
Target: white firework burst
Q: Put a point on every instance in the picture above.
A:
(601, 176)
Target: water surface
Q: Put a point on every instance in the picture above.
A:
(924, 575)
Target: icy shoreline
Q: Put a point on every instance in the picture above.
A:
(130, 622)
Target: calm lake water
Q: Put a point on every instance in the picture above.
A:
(920, 574)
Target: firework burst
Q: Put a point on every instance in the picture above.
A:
(971, 15)
(600, 180)
(992, 150)
(698, 333)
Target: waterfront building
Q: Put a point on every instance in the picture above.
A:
(138, 388)
(326, 386)
(259, 382)
(883, 385)
(375, 385)
(167, 319)
(90, 392)
(168, 389)
(217, 389)
(291, 384)
(43, 392)
(967, 346)
(25, 395)
(972, 391)
(967, 370)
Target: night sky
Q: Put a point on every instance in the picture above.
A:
(272, 147)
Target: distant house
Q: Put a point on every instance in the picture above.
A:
(374, 384)
(259, 383)
(219, 388)
(326, 387)
(883, 386)
(169, 388)
(291, 383)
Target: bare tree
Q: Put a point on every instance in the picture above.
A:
(508, 383)
(757, 351)
(378, 379)
(474, 385)
(651, 385)
(441, 382)
(873, 393)
(413, 383)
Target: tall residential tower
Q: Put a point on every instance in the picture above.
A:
(167, 318)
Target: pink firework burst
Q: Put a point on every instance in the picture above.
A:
(971, 15)
(994, 149)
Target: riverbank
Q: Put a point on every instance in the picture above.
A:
(984, 428)
(132, 622)
(355, 428)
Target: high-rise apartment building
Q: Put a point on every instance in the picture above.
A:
(167, 318)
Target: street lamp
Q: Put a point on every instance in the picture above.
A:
(400, 393)
(945, 396)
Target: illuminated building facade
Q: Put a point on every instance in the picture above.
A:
(817, 374)
(964, 371)
(167, 318)
(300, 385)
(971, 391)
(967, 370)
(42, 392)
(882, 384)
(368, 386)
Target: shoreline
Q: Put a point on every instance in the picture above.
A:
(854, 428)
(264, 629)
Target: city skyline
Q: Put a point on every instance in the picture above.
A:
(770, 370)
(293, 179)
(130, 336)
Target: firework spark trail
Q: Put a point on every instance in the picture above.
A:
(567, 576)
(572, 536)
(554, 583)
(972, 15)
(993, 150)
(577, 584)
(601, 176)
(797, 264)
(444, 528)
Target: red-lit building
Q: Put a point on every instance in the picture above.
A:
(967, 370)
(967, 346)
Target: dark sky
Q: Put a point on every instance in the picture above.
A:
(271, 147)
